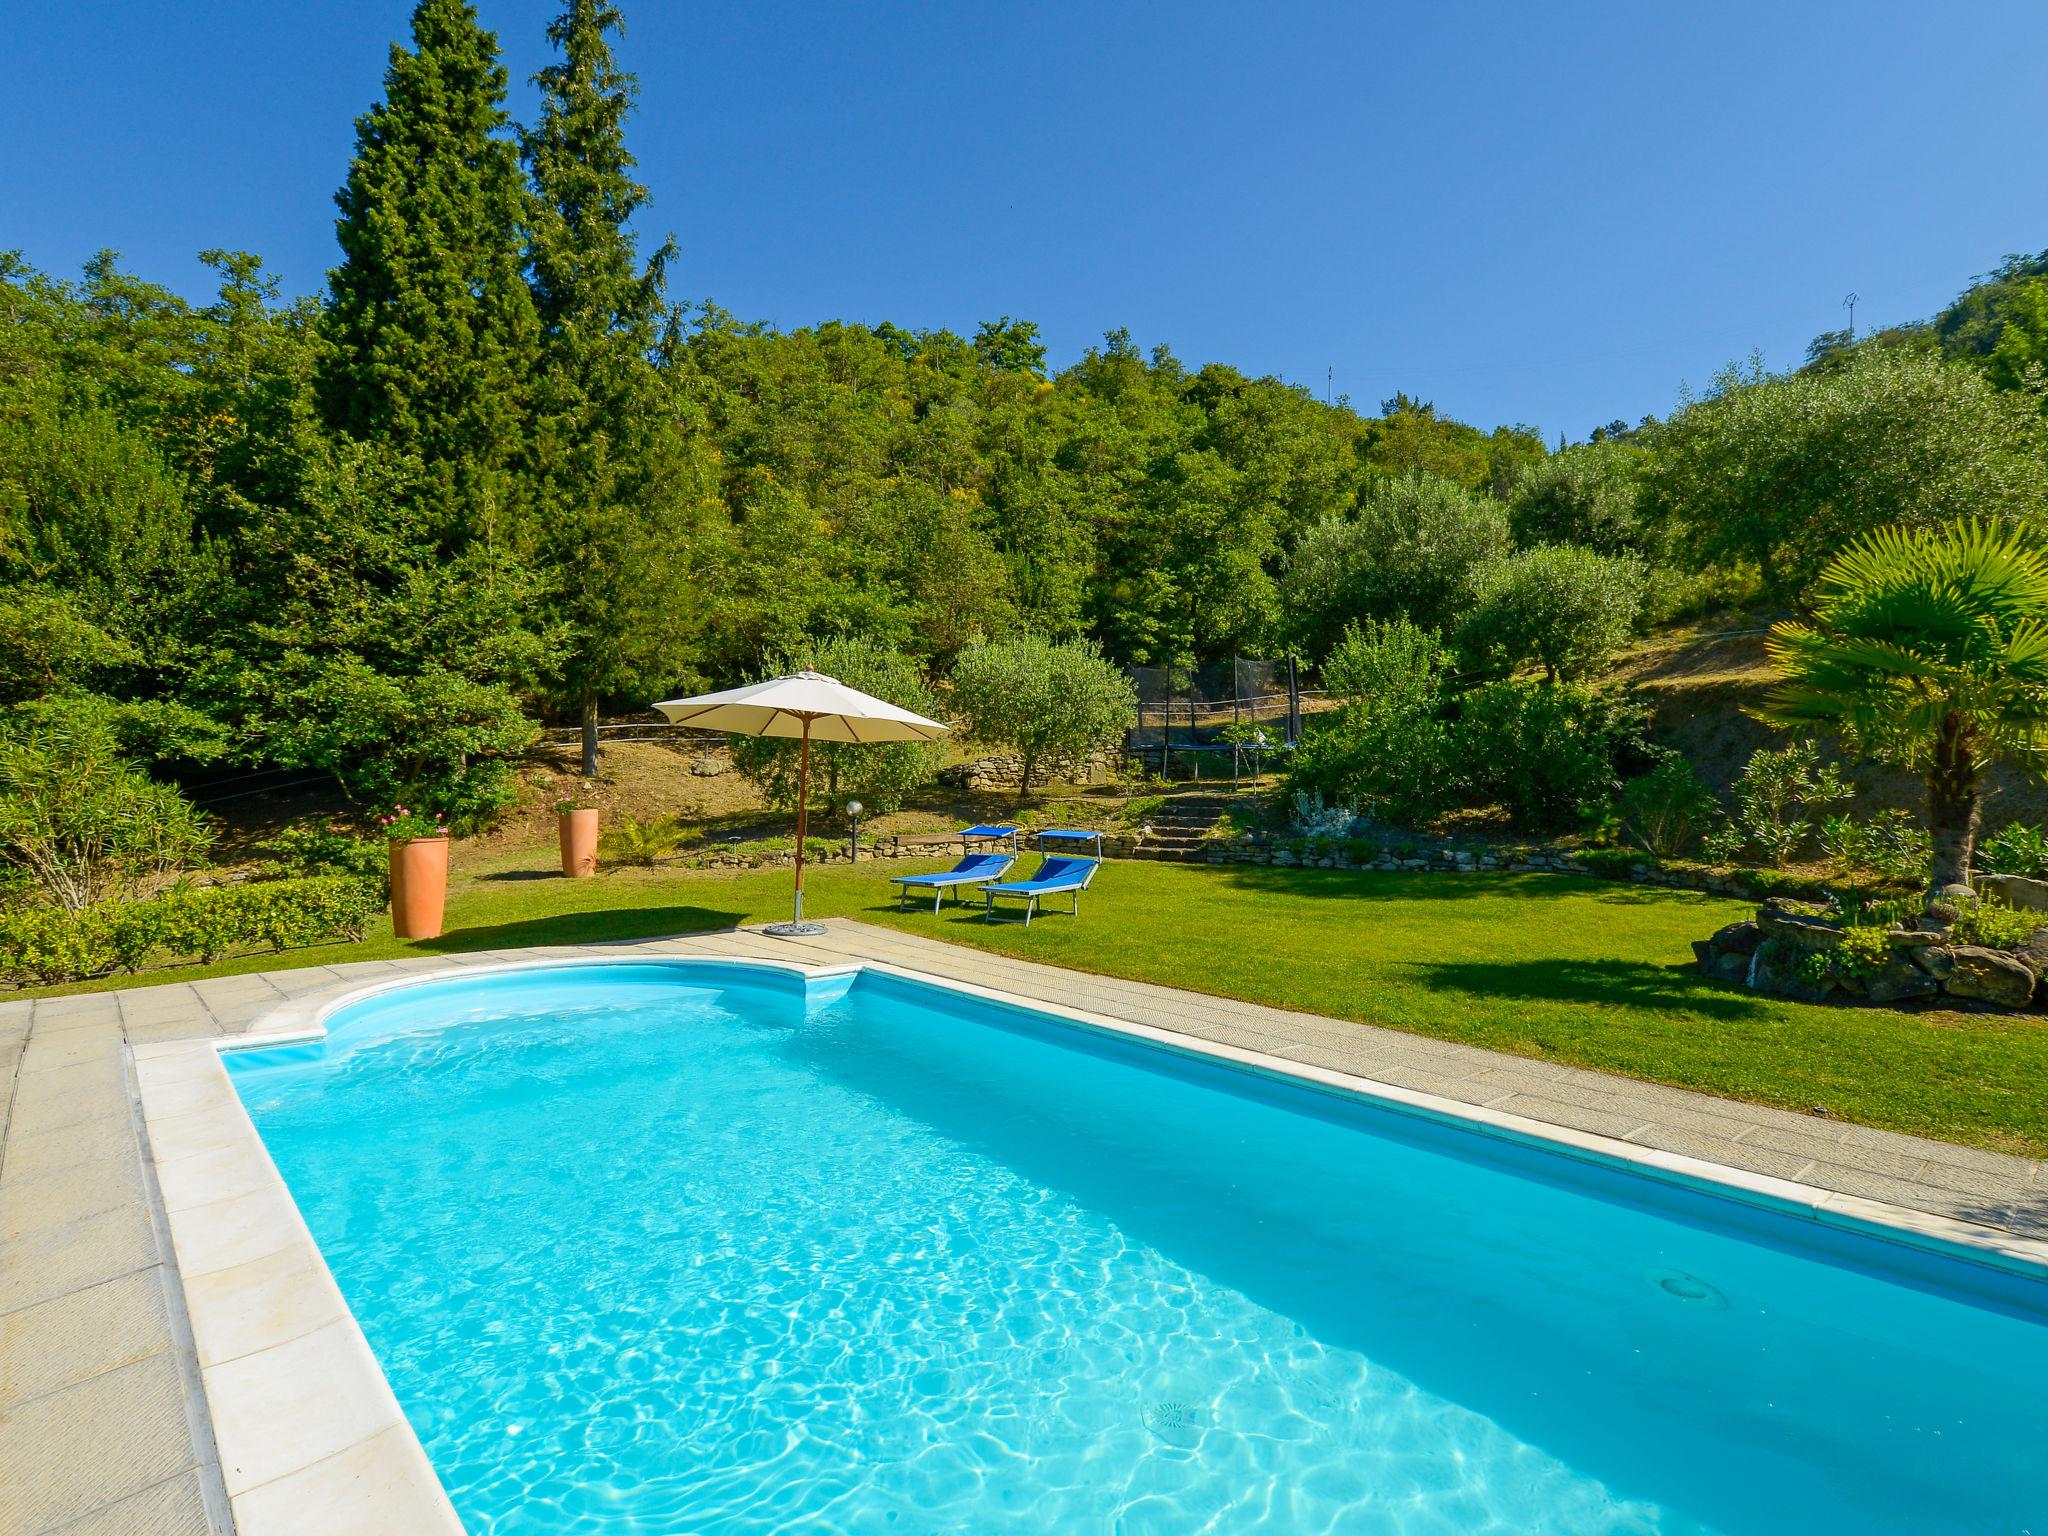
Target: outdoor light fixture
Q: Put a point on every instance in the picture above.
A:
(853, 810)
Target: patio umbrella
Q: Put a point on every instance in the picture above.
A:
(808, 706)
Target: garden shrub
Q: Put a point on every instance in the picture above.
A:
(1385, 754)
(1392, 773)
(434, 737)
(1993, 924)
(1546, 754)
(288, 913)
(1613, 863)
(1669, 808)
(633, 841)
(46, 945)
(196, 923)
(1778, 796)
(85, 824)
(135, 930)
(1890, 845)
(1861, 954)
(283, 914)
(310, 848)
(2016, 849)
(1314, 819)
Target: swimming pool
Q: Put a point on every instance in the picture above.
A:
(674, 1247)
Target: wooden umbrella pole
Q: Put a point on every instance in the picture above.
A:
(803, 797)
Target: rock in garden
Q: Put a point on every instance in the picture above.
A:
(1990, 976)
(708, 767)
(1731, 967)
(1917, 938)
(1937, 960)
(1798, 928)
(1900, 982)
(1737, 939)
(1793, 905)
(1775, 968)
(2033, 953)
(2015, 891)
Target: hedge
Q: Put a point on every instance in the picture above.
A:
(44, 945)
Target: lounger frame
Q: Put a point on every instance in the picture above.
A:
(1029, 891)
(1000, 842)
(989, 913)
(947, 880)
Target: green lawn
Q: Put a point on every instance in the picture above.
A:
(1539, 965)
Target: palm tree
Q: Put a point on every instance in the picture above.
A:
(1928, 648)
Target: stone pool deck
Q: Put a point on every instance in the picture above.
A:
(104, 1426)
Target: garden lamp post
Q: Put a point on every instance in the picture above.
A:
(853, 810)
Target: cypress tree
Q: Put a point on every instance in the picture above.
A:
(612, 465)
(430, 326)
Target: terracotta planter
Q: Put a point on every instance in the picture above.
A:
(419, 886)
(579, 842)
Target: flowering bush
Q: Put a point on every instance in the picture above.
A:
(400, 824)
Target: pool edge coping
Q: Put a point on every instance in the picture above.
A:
(307, 1414)
(366, 1451)
(1926, 1231)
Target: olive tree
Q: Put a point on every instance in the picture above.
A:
(1419, 548)
(1782, 471)
(1563, 607)
(1589, 494)
(1047, 701)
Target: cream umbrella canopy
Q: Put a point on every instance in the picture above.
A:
(807, 706)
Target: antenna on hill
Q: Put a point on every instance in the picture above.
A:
(1329, 384)
(1850, 305)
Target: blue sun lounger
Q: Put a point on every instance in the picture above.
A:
(976, 867)
(1058, 874)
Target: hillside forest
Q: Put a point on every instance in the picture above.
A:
(498, 475)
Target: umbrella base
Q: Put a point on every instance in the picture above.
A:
(795, 930)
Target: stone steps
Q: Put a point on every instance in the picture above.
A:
(1180, 829)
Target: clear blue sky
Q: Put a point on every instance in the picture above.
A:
(1553, 214)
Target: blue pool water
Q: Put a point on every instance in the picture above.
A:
(661, 1248)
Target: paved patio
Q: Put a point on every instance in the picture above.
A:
(104, 1430)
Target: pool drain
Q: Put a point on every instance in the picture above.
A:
(1685, 1287)
(1175, 1421)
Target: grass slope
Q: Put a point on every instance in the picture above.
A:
(1567, 970)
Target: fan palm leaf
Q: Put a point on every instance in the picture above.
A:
(1927, 647)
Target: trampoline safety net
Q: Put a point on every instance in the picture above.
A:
(1182, 709)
